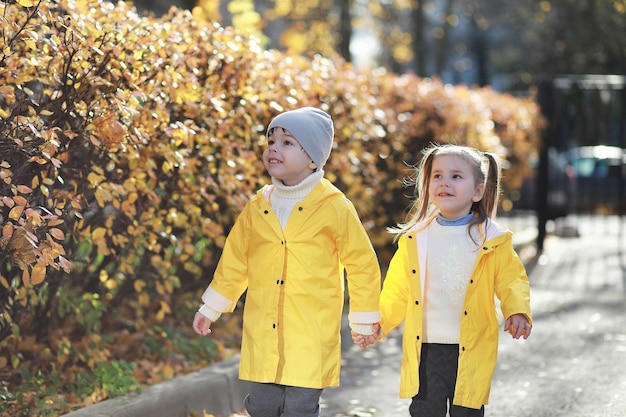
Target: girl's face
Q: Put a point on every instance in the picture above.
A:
(452, 186)
(285, 159)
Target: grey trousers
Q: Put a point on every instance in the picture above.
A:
(438, 366)
(273, 400)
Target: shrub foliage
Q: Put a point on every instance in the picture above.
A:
(129, 144)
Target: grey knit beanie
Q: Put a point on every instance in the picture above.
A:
(312, 128)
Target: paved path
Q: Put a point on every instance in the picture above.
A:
(573, 365)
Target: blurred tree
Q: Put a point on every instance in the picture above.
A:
(503, 43)
(160, 7)
(540, 37)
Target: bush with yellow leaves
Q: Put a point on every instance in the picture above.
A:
(128, 146)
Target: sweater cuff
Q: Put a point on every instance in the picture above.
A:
(209, 313)
(364, 329)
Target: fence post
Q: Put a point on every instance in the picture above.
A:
(545, 98)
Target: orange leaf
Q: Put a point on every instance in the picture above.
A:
(20, 201)
(109, 129)
(55, 221)
(24, 189)
(7, 231)
(57, 233)
(26, 278)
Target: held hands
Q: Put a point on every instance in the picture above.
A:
(201, 324)
(518, 326)
(366, 340)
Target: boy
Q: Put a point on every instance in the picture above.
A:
(288, 249)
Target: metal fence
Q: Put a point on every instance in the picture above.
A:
(586, 127)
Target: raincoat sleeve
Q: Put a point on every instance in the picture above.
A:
(512, 285)
(361, 264)
(231, 275)
(396, 289)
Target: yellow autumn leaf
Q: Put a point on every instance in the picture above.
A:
(167, 371)
(16, 212)
(165, 309)
(132, 197)
(27, 3)
(38, 274)
(144, 299)
(139, 285)
(32, 46)
(98, 233)
(75, 204)
(104, 275)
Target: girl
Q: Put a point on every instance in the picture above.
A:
(451, 259)
(288, 249)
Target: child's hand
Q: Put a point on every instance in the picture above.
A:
(365, 340)
(201, 324)
(518, 326)
(362, 340)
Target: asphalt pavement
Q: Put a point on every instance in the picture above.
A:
(574, 363)
(370, 378)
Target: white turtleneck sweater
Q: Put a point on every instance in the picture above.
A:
(283, 198)
(450, 261)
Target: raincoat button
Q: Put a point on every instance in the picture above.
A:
(277, 281)
(410, 237)
(266, 212)
(417, 337)
(300, 209)
(413, 270)
(485, 248)
(465, 312)
(274, 326)
(417, 302)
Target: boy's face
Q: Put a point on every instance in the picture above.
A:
(285, 159)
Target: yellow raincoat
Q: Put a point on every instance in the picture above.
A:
(498, 270)
(295, 286)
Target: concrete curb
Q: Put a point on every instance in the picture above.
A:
(215, 390)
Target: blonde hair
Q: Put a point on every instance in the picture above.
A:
(485, 168)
